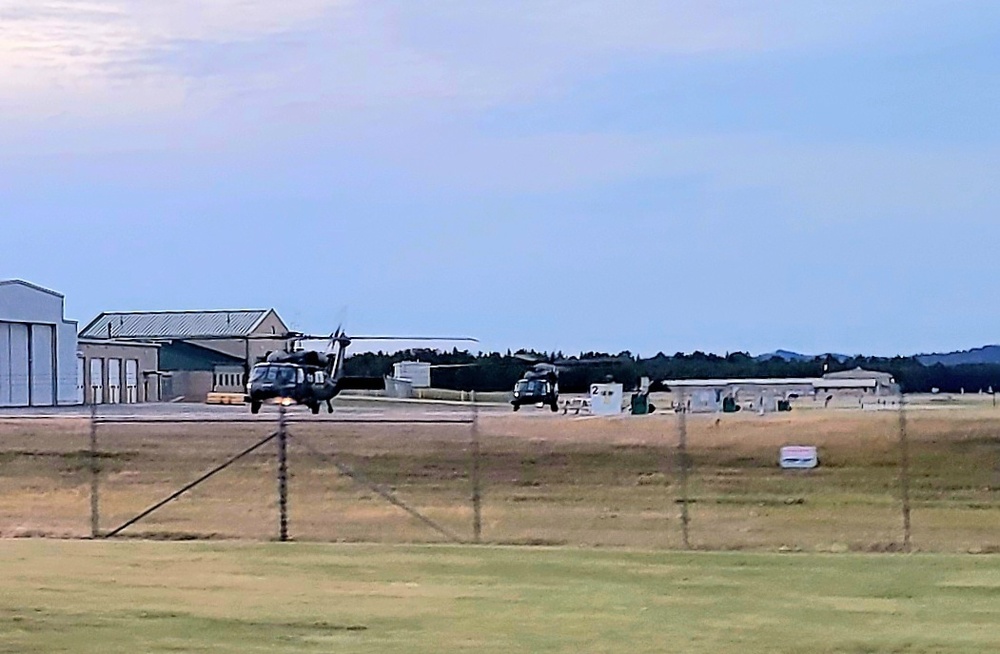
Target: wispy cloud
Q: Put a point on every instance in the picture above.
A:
(104, 56)
(306, 72)
(73, 56)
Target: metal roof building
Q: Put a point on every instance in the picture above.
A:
(242, 333)
(178, 324)
(883, 378)
(203, 351)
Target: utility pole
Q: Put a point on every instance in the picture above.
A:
(282, 475)
(477, 517)
(682, 460)
(904, 471)
(95, 471)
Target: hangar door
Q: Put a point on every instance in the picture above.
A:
(15, 378)
(43, 365)
(80, 381)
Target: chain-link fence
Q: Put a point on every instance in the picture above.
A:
(887, 479)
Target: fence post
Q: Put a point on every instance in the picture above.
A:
(682, 462)
(282, 475)
(904, 471)
(477, 518)
(95, 516)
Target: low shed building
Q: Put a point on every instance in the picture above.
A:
(857, 386)
(119, 372)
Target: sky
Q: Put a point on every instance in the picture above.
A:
(573, 175)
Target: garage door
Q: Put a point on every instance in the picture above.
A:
(97, 381)
(114, 381)
(131, 381)
(14, 377)
(43, 366)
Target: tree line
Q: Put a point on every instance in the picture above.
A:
(494, 371)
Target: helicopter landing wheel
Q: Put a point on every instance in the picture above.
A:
(255, 408)
(314, 408)
(329, 406)
(554, 406)
(516, 407)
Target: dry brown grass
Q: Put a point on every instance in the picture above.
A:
(551, 479)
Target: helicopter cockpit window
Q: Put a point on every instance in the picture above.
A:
(300, 376)
(533, 387)
(279, 374)
(320, 377)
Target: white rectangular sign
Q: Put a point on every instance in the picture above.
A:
(606, 399)
(799, 456)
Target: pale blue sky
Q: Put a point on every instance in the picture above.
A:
(574, 175)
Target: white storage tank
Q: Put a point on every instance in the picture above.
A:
(417, 372)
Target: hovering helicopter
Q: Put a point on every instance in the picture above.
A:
(540, 384)
(309, 377)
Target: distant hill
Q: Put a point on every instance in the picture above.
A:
(985, 354)
(788, 355)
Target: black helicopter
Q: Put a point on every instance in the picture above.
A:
(540, 385)
(311, 378)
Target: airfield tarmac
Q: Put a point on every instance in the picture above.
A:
(358, 407)
(185, 411)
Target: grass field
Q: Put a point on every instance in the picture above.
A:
(107, 597)
(546, 480)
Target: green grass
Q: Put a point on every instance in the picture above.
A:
(224, 597)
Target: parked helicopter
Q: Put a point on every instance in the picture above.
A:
(309, 377)
(540, 384)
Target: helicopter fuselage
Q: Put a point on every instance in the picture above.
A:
(536, 388)
(290, 383)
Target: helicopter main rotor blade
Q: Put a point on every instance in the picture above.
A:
(414, 338)
(301, 336)
(287, 336)
(588, 361)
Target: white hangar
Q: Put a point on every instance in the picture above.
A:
(38, 362)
